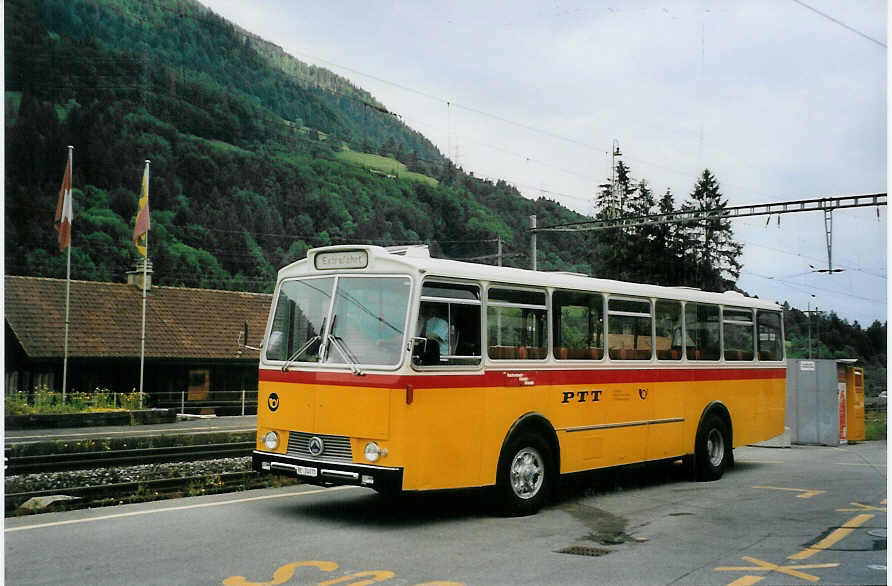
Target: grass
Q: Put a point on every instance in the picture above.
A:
(875, 425)
(386, 165)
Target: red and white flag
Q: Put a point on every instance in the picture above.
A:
(64, 212)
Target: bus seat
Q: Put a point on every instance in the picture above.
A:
(536, 352)
(562, 353)
(521, 353)
(502, 352)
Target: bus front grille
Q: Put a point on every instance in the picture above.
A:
(336, 448)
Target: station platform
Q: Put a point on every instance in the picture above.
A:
(183, 426)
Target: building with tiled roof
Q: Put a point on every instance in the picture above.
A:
(192, 335)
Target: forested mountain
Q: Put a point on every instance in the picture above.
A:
(246, 148)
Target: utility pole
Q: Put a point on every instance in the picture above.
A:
(533, 240)
(500, 250)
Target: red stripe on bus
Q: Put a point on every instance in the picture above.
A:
(520, 377)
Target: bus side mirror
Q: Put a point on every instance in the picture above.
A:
(417, 345)
(243, 341)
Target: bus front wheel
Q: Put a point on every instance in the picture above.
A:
(712, 449)
(524, 476)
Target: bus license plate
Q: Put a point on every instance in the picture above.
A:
(306, 471)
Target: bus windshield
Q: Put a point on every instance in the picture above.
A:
(364, 325)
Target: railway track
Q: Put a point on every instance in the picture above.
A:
(123, 457)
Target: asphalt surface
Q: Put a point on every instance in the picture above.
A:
(801, 515)
(180, 427)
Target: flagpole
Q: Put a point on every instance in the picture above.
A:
(67, 290)
(145, 263)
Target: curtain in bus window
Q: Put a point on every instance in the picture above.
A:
(629, 329)
(738, 332)
(578, 325)
(702, 331)
(368, 320)
(298, 322)
(770, 340)
(667, 323)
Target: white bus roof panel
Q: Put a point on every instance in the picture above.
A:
(416, 261)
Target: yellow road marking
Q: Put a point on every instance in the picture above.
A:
(806, 493)
(860, 507)
(374, 575)
(763, 566)
(283, 574)
(746, 580)
(835, 536)
(180, 508)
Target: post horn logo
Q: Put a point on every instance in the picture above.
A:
(642, 393)
(273, 401)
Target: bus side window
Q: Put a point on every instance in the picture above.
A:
(737, 327)
(703, 340)
(516, 323)
(577, 325)
(770, 340)
(668, 341)
(629, 334)
(449, 324)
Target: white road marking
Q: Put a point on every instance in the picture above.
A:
(180, 508)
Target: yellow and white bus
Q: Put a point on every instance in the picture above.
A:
(389, 369)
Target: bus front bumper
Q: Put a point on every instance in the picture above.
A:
(324, 473)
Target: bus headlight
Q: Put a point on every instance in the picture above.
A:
(373, 452)
(271, 440)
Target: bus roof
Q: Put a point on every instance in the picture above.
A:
(416, 260)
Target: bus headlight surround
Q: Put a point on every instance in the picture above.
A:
(271, 440)
(373, 451)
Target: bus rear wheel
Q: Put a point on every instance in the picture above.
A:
(712, 449)
(524, 476)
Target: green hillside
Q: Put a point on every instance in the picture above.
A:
(255, 156)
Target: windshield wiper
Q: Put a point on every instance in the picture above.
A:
(306, 346)
(341, 346)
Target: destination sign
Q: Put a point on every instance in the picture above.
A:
(347, 259)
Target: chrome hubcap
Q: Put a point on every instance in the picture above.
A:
(527, 473)
(715, 447)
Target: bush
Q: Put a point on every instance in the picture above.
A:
(44, 401)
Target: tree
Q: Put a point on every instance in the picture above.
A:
(711, 242)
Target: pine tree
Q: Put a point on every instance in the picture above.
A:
(711, 242)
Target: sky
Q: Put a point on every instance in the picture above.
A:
(780, 99)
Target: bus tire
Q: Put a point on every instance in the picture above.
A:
(525, 475)
(712, 450)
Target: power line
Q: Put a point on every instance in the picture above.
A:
(810, 288)
(826, 204)
(840, 23)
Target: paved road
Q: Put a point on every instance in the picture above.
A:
(186, 426)
(803, 515)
